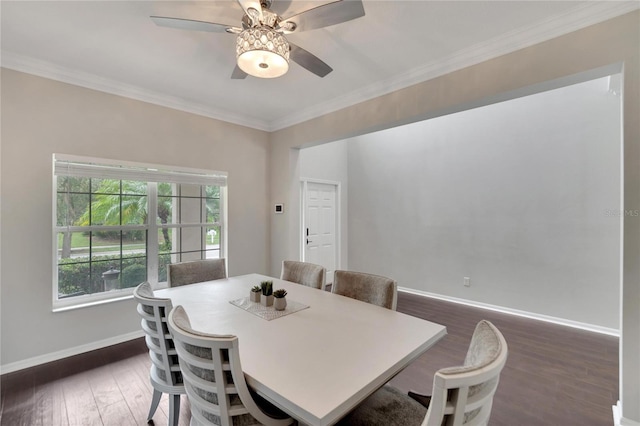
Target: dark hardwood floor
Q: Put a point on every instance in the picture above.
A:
(554, 376)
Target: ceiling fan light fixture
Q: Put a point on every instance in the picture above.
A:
(262, 52)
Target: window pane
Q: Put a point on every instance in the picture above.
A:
(190, 210)
(72, 184)
(110, 267)
(163, 261)
(134, 243)
(105, 186)
(73, 279)
(213, 237)
(105, 243)
(192, 255)
(165, 240)
(213, 210)
(212, 254)
(167, 189)
(191, 239)
(105, 202)
(105, 276)
(73, 245)
(213, 243)
(187, 190)
(212, 191)
(134, 258)
(165, 210)
(134, 209)
(133, 187)
(134, 271)
(71, 209)
(105, 209)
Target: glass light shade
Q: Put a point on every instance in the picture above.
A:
(262, 52)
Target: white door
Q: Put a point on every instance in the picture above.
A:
(320, 226)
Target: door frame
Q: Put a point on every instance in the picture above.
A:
(304, 182)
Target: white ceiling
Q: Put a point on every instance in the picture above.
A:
(113, 46)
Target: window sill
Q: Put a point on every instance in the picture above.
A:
(96, 300)
(91, 303)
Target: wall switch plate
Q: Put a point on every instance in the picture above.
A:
(467, 282)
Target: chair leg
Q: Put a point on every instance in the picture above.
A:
(174, 409)
(154, 404)
(424, 400)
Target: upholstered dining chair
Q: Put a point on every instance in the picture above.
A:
(374, 289)
(196, 271)
(462, 396)
(165, 373)
(214, 379)
(304, 273)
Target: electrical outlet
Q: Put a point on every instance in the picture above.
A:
(467, 282)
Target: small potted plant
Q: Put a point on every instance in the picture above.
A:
(254, 294)
(280, 302)
(267, 293)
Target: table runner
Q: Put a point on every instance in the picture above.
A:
(267, 312)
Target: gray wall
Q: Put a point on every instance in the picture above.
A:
(41, 117)
(520, 196)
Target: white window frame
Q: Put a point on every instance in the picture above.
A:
(71, 165)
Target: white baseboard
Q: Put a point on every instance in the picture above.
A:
(531, 315)
(618, 420)
(617, 415)
(54, 356)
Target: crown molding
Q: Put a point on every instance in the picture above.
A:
(51, 71)
(577, 18)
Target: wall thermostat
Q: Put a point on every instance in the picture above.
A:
(279, 208)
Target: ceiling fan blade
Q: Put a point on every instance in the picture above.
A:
(238, 74)
(326, 15)
(309, 61)
(280, 6)
(191, 25)
(253, 9)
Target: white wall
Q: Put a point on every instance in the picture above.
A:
(328, 162)
(520, 196)
(41, 117)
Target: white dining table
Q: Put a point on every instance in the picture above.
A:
(318, 363)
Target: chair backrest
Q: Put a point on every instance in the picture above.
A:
(165, 370)
(303, 273)
(195, 271)
(213, 376)
(464, 395)
(374, 289)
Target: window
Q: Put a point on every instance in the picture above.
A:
(117, 225)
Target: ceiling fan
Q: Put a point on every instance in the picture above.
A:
(262, 50)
